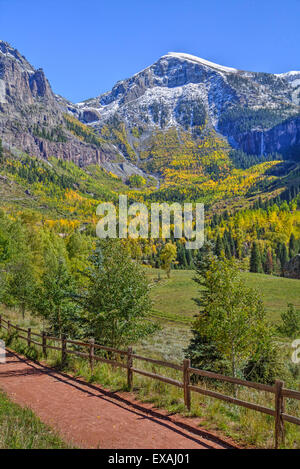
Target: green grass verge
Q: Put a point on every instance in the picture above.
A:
(21, 429)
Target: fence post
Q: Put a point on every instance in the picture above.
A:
(29, 337)
(92, 352)
(279, 410)
(186, 383)
(0, 321)
(8, 327)
(63, 349)
(44, 343)
(129, 369)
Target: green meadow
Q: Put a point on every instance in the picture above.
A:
(173, 297)
(174, 308)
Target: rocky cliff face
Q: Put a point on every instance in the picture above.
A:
(21, 84)
(282, 138)
(31, 115)
(179, 90)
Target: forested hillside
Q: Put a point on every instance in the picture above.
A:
(63, 197)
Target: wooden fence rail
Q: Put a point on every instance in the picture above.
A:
(278, 390)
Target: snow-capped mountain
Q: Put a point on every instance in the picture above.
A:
(184, 91)
(256, 112)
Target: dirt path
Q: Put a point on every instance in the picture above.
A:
(91, 417)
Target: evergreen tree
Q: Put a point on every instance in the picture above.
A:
(189, 258)
(232, 244)
(255, 258)
(202, 351)
(205, 355)
(219, 248)
(264, 365)
(238, 248)
(227, 249)
(290, 322)
(232, 316)
(181, 258)
(283, 257)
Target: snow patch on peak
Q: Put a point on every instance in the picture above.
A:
(288, 74)
(193, 58)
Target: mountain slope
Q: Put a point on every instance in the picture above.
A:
(177, 120)
(188, 93)
(33, 120)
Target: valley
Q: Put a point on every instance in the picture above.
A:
(183, 130)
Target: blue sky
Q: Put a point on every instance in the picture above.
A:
(86, 46)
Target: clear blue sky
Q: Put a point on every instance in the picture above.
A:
(86, 46)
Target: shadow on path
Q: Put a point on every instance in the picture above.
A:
(91, 390)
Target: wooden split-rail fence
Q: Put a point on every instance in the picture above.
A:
(278, 390)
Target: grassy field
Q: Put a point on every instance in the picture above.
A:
(21, 429)
(174, 308)
(173, 298)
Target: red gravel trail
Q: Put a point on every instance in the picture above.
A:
(89, 416)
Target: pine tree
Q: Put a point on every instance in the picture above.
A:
(189, 258)
(219, 248)
(255, 259)
(227, 249)
(232, 244)
(231, 316)
(202, 351)
(181, 257)
(204, 354)
(283, 257)
(290, 325)
(265, 364)
(238, 247)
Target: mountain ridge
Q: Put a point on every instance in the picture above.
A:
(32, 119)
(255, 112)
(179, 86)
